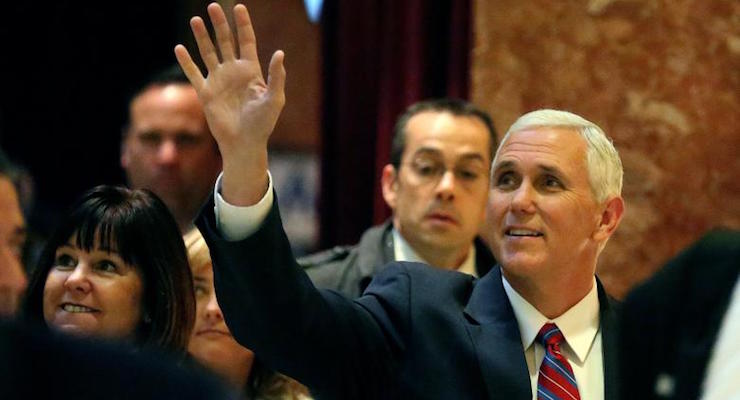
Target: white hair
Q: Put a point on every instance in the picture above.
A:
(602, 160)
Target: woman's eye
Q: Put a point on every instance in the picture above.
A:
(107, 266)
(200, 291)
(64, 261)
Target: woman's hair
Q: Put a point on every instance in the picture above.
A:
(262, 383)
(140, 228)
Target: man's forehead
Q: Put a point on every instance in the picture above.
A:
(173, 111)
(438, 153)
(557, 142)
(172, 95)
(443, 132)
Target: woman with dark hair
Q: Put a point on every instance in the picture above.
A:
(213, 347)
(116, 268)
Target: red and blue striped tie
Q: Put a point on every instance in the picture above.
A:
(556, 380)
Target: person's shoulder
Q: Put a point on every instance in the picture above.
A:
(330, 256)
(423, 277)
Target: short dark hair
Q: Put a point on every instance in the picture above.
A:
(456, 107)
(167, 76)
(170, 75)
(139, 226)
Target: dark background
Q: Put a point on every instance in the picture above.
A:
(68, 67)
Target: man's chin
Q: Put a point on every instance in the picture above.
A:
(520, 264)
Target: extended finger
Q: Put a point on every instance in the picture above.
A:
(223, 31)
(205, 46)
(276, 77)
(245, 33)
(189, 67)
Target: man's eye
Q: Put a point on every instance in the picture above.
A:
(150, 138)
(186, 140)
(553, 183)
(505, 180)
(468, 175)
(426, 169)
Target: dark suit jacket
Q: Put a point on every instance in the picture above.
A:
(417, 332)
(349, 269)
(670, 322)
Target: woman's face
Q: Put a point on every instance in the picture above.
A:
(93, 293)
(211, 342)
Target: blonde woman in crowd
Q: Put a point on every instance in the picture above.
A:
(213, 347)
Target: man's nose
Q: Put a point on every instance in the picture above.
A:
(167, 153)
(446, 185)
(523, 198)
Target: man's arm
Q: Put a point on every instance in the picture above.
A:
(341, 348)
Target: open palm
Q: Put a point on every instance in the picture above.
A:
(240, 107)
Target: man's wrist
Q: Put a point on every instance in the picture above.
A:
(244, 183)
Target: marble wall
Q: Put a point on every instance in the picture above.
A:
(662, 77)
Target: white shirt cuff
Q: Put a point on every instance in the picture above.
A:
(237, 223)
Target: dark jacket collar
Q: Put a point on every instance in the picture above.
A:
(490, 311)
(375, 250)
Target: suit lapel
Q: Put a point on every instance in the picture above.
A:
(493, 329)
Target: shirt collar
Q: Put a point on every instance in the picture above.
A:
(579, 324)
(402, 251)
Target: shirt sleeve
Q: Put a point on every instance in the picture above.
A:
(237, 223)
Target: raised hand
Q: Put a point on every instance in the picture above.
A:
(240, 107)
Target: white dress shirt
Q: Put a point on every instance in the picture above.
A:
(723, 370)
(580, 327)
(402, 251)
(237, 223)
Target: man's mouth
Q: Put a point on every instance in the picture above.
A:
(442, 217)
(522, 232)
(76, 308)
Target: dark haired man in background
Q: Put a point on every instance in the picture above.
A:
(167, 146)
(436, 185)
(12, 239)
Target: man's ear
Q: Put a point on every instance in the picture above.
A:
(124, 152)
(610, 218)
(389, 184)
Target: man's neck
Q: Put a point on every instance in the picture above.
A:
(445, 259)
(546, 298)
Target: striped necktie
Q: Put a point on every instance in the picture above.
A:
(556, 380)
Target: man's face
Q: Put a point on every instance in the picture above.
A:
(169, 149)
(12, 236)
(438, 195)
(544, 217)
